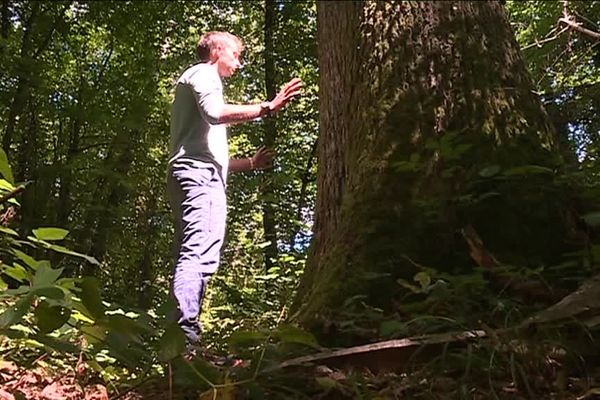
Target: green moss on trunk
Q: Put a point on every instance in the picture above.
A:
(426, 108)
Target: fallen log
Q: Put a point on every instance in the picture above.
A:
(582, 305)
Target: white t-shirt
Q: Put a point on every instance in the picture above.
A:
(195, 133)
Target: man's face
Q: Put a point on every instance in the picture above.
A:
(228, 61)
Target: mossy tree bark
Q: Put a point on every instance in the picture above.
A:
(426, 110)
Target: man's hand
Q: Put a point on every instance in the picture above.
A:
(263, 158)
(286, 94)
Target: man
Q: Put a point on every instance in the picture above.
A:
(198, 166)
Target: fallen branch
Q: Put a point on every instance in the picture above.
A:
(390, 354)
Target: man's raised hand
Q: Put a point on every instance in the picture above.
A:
(286, 94)
(263, 158)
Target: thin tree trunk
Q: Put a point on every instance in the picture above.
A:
(109, 194)
(5, 25)
(66, 178)
(99, 222)
(304, 182)
(27, 55)
(27, 165)
(74, 148)
(269, 223)
(145, 271)
(16, 106)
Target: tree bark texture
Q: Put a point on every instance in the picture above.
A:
(420, 101)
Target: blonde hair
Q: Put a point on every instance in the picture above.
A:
(210, 39)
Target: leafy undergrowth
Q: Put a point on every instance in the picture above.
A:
(60, 339)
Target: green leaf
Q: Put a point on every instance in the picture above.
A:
(197, 373)
(50, 292)
(406, 166)
(8, 231)
(527, 170)
(17, 272)
(167, 311)
(490, 171)
(16, 312)
(27, 259)
(64, 250)
(121, 348)
(460, 149)
(6, 185)
(67, 284)
(91, 298)
(50, 318)
(391, 327)
(5, 169)
(263, 245)
(423, 278)
(293, 334)
(56, 344)
(50, 233)
(408, 285)
(172, 343)
(592, 219)
(371, 275)
(246, 338)
(126, 326)
(95, 365)
(94, 333)
(23, 289)
(45, 276)
(326, 382)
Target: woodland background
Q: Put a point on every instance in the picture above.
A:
(85, 93)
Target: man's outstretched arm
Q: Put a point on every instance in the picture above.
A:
(235, 113)
(262, 159)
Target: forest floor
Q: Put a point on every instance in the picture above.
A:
(320, 382)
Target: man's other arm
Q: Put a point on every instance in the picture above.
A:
(262, 159)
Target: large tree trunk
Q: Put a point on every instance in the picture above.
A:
(424, 105)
